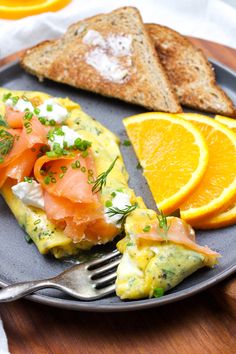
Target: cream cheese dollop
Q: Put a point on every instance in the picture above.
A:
(30, 193)
(69, 137)
(51, 109)
(120, 201)
(21, 105)
(110, 56)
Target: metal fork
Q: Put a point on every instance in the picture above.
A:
(86, 281)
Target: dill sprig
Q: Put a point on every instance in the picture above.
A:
(163, 224)
(101, 180)
(6, 143)
(112, 211)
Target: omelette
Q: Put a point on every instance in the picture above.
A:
(63, 177)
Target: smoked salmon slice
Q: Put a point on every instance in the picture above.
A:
(14, 118)
(69, 199)
(19, 162)
(67, 177)
(179, 232)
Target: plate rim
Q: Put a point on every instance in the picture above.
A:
(132, 305)
(89, 306)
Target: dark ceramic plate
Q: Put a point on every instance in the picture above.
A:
(20, 261)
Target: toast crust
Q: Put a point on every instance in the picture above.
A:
(191, 74)
(63, 60)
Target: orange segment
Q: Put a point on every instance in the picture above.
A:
(218, 186)
(162, 143)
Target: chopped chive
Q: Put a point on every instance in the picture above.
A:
(64, 168)
(108, 203)
(83, 169)
(85, 153)
(15, 100)
(47, 180)
(49, 108)
(147, 228)
(158, 292)
(28, 179)
(36, 111)
(52, 122)
(126, 143)
(6, 96)
(28, 115)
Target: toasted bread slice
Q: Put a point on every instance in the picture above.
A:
(190, 72)
(111, 54)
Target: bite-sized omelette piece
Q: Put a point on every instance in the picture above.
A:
(156, 259)
(50, 229)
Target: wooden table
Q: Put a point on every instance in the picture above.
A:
(204, 323)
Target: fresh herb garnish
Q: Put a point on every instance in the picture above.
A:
(6, 96)
(28, 179)
(123, 212)
(108, 204)
(163, 224)
(58, 150)
(75, 164)
(2, 121)
(15, 99)
(158, 292)
(47, 180)
(36, 111)
(101, 180)
(82, 145)
(49, 108)
(6, 143)
(147, 228)
(47, 122)
(126, 143)
(27, 121)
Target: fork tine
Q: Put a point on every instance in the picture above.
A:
(105, 279)
(105, 268)
(97, 262)
(106, 291)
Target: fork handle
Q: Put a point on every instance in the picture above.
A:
(16, 291)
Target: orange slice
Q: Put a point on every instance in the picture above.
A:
(172, 153)
(229, 122)
(218, 185)
(15, 9)
(228, 216)
(225, 218)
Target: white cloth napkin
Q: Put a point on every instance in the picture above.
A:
(209, 19)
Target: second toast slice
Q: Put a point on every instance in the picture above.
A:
(189, 71)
